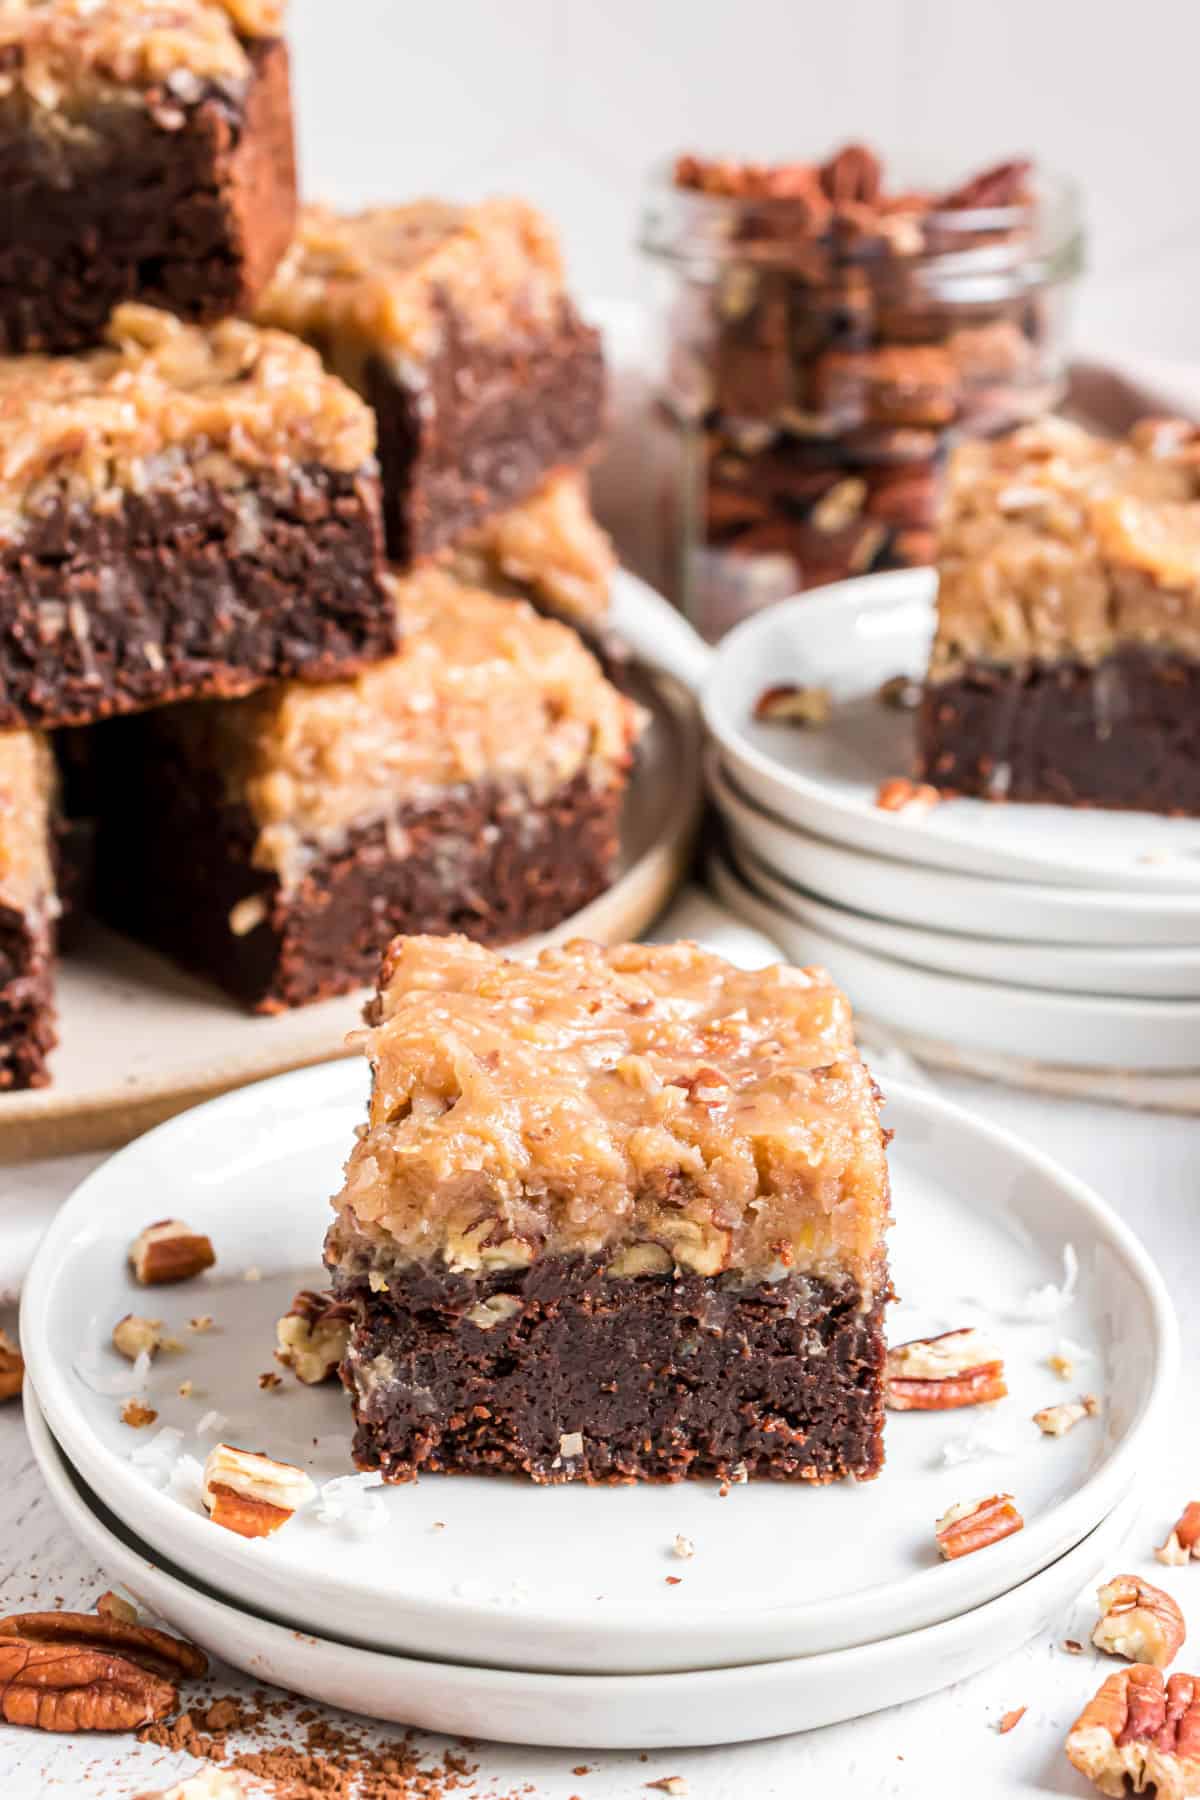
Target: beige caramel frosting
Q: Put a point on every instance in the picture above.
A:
(549, 549)
(28, 785)
(165, 402)
(378, 282)
(483, 690)
(1058, 544)
(58, 52)
(650, 1104)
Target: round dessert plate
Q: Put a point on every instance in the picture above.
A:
(1156, 973)
(588, 1712)
(1084, 1031)
(139, 1039)
(912, 895)
(572, 1578)
(850, 638)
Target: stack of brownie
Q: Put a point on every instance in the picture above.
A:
(265, 579)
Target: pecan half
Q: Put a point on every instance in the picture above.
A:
(12, 1368)
(975, 1524)
(249, 1493)
(853, 177)
(89, 1672)
(1183, 1540)
(958, 1368)
(1139, 1727)
(789, 704)
(1007, 184)
(169, 1250)
(1139, 1622)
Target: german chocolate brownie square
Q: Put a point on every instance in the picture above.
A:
(1066, 661)
(186, 511)
(28, 908)
(145, 154)
(455, 324)
(615, 1215)
(472, 783)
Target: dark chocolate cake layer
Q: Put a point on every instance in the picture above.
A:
(1123, 733)
(483, 430)
(184, 206)
(176, 872)
(575, 1374)
(189, 591)
(27, 1033)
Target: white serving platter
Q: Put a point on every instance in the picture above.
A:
(575, 1579)
(139, 1039)
(849, 638)
(587, 1712)
(912, 895)
(1082, 1031)
(1141, 973)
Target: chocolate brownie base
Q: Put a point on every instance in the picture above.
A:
(661, 1377)
(188, 207)
(190, 591)
(27, 1033)
(486, 424)
(175, 866)
(1123, 733)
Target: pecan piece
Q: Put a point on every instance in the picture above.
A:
(912, 798)
(958, 1368)
(976, 1523)
(249, 1493)
(1136, 1726)
(1183, 1540)
(12, 1368)
(1139, 1622)
(853, 177)
(312, 1336)
(88, 1672)
(1007, 184)
(1057, 1420)
(789, 704)
(133, 1334)
(169, 1250)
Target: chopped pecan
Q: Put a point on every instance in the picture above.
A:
(789, 704)
(1062, 1417)
(169, 1250)
(1007, 184)
(136, 1414)
(87, 1672)
(12, 1368)
(900, 795)
(1139, 1727)
(1183, 1541)
(132, 1335)
(1139, 1622)
(976, 1523)
(959, 1368)
(249, 1493)
(312, 1336)
(1010, 1720)
(114, 1606)
(853, 176)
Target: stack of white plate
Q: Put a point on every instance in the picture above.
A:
(493, 1608)
(1041, 935)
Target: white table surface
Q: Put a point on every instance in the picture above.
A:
(1148, 1166)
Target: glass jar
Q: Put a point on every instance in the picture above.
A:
(823, 344)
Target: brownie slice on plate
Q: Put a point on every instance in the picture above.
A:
(145, 154)
(615, 1215)
(455, 324)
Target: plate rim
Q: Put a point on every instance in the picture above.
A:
(111, 1476)
(904, 840)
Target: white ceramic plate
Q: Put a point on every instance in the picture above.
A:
(576, 1578)
(1077, 1030)
(1162, 974)
(140, 1039)
(913, 895)
(849, 638)
(588, 1712)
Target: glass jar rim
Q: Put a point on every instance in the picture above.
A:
(689, 228)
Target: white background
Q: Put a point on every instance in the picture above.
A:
(570, 101)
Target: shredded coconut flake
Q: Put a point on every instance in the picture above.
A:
(155, 1459)
(352, 1501)
(972, 1446)
(127, 1379)
(212, 1421)
(1049, 1301)
(186, 1482)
